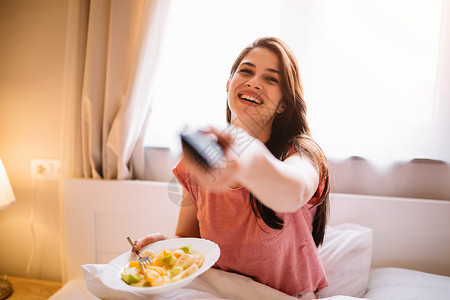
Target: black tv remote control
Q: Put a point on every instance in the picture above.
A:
(202, 147)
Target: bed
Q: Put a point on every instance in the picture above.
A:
(374, 248)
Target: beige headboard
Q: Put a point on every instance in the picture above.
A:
(408, 233)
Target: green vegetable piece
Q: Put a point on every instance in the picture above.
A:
(187, 249)
(130, 277)
(169, 260)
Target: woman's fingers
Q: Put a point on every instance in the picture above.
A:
(156, 237)
(137, 245)
(148, 239)
(223, 172)
(223, 138)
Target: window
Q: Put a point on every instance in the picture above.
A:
(368, 70)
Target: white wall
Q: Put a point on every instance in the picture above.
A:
(32, 48)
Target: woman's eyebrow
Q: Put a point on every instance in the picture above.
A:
(268, 69)
(249, 64)
(272, 70)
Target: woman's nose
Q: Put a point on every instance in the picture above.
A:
(253, 83)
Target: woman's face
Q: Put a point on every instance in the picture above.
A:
(254, 92)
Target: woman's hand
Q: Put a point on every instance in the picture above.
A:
(148, 239)
(239, 148)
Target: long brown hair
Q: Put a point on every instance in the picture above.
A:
(290, 132)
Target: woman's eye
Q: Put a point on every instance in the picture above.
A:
(272, 79)
(245, 71)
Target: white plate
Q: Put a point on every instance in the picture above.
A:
(111, 276)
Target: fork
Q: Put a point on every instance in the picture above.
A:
(143, 261)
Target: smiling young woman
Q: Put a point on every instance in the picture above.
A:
(265, 202)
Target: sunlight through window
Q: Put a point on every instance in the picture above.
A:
(368, 69)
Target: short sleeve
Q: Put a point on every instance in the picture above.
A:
(187, 180)
(318, 193)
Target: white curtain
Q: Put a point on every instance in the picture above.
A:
(376, 79)
(375, 73)
(123, 41)
(443, 86)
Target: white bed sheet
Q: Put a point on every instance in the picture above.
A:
(384, 283)
(213, 284)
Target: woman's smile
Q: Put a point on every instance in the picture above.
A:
(251, 97)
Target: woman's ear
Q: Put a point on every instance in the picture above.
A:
(228, 84)
(281, 108)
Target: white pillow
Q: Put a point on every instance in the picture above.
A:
(346, 255)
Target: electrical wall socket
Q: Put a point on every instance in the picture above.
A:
(46, 169)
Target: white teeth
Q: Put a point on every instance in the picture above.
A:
(250, 98)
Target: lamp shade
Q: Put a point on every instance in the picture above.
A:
(6, 193)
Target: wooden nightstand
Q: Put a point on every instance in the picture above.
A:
(32, 289)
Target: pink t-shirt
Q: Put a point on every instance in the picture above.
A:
(285, 259)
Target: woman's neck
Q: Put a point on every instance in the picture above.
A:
(256, 130)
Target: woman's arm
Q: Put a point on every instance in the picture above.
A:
(187, 219)
(283, 186)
